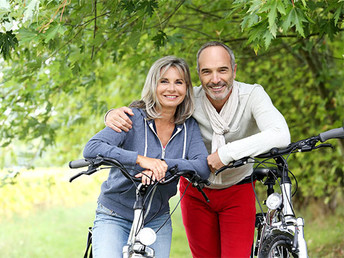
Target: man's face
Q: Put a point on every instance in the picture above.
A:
(216, 74)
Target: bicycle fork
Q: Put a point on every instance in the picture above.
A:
(299, 239)
(299, 242)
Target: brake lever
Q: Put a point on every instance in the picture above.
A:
(199, 183)
(199, 188)
(234, 164)
(307, 147)
(88, 172)
(325, 145)
(76, 176)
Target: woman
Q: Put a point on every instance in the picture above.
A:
(163, 135)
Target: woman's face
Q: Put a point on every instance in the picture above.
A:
(171, 89)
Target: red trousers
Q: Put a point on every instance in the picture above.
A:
(224, 227)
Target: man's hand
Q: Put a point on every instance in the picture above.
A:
(214, 162)
(118, 120)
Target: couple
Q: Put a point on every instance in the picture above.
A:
(234, 119)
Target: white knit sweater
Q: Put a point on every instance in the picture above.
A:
(256, 128)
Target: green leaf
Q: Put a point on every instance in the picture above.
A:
(272, 14)
(51, 32)
(160, 39)
(299, 18)
(273, 29)
(280, 7)
(32, 7)
(176, 38)
(337, 14)
(268, 37)
(255, 5)
(27, 35)
(149, 6)
(134, 39)
(287, 20)
(295, 17)
(249, 20)
(8, 42)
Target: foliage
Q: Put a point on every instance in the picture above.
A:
(66, 62)
(46, 188)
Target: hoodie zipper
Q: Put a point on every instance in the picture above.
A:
(163, 150)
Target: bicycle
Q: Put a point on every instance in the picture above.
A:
(279, 232)
(140, 237)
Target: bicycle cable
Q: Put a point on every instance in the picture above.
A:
(176, 206)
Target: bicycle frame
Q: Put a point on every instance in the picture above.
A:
(136, 245)
(139, 237)
(280, 233)
(280, 217)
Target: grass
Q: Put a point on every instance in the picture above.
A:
(324, 232)
(54, 232)
(43, 215)
(62, 232)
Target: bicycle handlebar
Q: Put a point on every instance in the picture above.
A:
(307, 144)
(94, 164)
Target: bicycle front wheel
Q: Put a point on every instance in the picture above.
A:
(277, 246)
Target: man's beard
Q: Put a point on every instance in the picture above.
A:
(224, 94)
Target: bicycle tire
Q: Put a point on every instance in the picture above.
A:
(277, 245)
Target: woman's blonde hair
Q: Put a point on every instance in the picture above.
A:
(149, 100)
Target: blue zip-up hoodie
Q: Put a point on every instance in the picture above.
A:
(185, 149)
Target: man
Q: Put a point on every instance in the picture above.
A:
(236, 120)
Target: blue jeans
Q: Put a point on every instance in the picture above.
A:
(111, 232)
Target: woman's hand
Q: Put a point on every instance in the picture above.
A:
(156, 166)
(147, 177)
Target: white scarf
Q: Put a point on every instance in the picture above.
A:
(220, 122)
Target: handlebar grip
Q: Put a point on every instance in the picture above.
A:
(334, 133)
(79, 163)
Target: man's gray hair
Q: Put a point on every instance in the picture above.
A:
(149, 100)
(216, 44)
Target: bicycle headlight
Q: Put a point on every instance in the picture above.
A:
(274, 201)
(146, 236)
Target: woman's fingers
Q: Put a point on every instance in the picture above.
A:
(147, 177)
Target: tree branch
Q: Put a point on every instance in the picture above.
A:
(95, 27)
(205, 13)
(171, 14)
(62, 5)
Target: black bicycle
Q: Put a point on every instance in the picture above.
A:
(279, 232)
(140, 237)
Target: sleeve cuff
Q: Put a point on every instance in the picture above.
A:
(128, 157)
(224, 154)
(107, 114)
